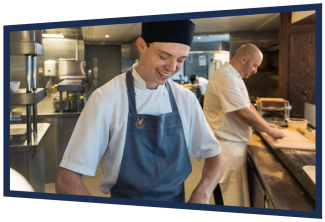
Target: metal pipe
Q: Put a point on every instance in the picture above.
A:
(28, 90)
(28, 124)
(34, 76)
(28, 73)
(35, 120)
(61, 102)
(34, 80)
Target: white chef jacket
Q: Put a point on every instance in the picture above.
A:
(226, 92)
(202, 84)
(99, 135)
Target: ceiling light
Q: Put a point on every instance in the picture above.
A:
(106, 36)
(198, 37)
(53, 35)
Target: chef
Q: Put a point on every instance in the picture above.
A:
(202, 82)
(142, 127)
(231, 115)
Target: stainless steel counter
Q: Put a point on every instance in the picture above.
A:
(279, 183)
(42, 129)
(55, 143)
(29, 161)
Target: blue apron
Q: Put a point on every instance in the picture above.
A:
(155, 160)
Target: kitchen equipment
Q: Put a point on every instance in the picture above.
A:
(56, 105)
(14, 86)
(295, 123)
(49, 71)
(274, 110)
(292, 140)
(73, 102)
(29, 45)
(50, 68)
(71, 69)
(74, 88)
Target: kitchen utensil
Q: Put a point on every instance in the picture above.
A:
(14, 86)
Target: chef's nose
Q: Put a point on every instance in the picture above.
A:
(171, 66)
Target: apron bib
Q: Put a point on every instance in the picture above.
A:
(155, 160)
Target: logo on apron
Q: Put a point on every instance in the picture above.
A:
(140, 123)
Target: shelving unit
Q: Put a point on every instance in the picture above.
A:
(28, 157)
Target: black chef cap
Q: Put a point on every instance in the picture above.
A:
(177, 31)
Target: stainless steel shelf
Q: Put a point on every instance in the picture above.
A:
(22, 98)
(27, 36)
(26, 48)
(42, 129)
(70, 85)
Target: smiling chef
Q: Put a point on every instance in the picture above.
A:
(142, 127)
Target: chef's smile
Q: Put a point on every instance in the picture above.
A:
(164, 75)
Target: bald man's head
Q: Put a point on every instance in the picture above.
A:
(248, 50)
(247, 59)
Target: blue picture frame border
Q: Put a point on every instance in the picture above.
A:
(318, 7)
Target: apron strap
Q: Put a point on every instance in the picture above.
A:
(131, 93)
(171, 97)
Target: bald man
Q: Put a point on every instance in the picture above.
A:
(230, 115)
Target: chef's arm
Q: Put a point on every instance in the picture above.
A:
(69, 182)
(212, 173)
(252, 118)
(257, 114)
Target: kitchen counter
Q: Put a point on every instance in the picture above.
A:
(280, 184)
(62, 126)
(294, 160)
(45, 108)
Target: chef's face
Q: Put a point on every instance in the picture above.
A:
(159, 61)
(251, 65)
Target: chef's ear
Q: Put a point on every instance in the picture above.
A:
(244, 59)
(141, 44)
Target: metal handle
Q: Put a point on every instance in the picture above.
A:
(34, 62)
(28, 73)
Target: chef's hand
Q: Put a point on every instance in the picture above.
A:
(199, 197)
(275, 133)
